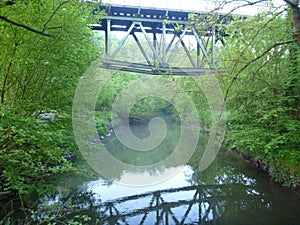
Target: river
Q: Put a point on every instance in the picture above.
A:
(230, 191)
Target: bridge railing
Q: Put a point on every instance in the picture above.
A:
(195, 5)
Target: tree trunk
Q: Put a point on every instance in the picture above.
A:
(295, 11)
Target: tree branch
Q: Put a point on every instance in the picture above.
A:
(9, 3)
(247, 3)
(25, 27)
(291, 3)
(52, 15)
(243, 4)
(256, 35)
(252, 61)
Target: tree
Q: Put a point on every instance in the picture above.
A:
(295, 12)
(45, 46)
(261, 88)
(262, 92)
(37, 69)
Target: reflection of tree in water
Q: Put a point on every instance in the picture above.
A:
(144, 158)
(67, 205)
(251, 196)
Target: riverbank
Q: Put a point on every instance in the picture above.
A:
(271, 171)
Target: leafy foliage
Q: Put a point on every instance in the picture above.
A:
(38, 77)
(32, 149)
(33, 66)
(262, 91)
(151, 106)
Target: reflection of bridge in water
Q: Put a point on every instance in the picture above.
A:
(202, 204)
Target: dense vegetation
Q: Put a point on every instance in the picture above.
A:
(261, 64)
(45, 48)
(261, 86)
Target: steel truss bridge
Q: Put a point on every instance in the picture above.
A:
(159, 34)
(201, 204)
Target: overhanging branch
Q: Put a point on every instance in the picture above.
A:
(252, 61)
(25, 26)
(291, 3)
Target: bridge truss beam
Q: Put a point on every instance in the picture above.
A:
(159, 35)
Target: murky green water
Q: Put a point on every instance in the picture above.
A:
(229, 192)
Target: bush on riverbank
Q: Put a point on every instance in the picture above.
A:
(31, 149)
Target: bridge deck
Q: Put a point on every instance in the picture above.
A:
(122, 17)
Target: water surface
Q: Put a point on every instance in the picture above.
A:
(230, 191)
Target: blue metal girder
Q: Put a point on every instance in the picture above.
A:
(131, 20)
(123, 16)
